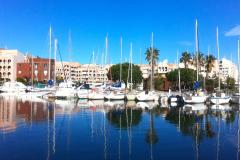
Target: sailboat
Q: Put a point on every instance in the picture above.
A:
(219, 97)
(176, 100)
(131, 96)
(236, 97)
(198, 96)
(116, 89)
(149, 95)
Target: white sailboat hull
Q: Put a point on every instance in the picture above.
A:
(147, 96)
(195, 99)
(113, 96)
(220, 100)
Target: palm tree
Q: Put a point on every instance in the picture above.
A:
(209, 63)
(186, 58)
(201, 60)
(152, 59)
(155, 55)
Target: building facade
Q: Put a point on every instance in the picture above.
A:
(36, 69)
(8, 63)
(68, 70)
(74, 71)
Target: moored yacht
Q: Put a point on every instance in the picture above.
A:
(66, 90)
(195, 98)
(14, 87)
(220, 98)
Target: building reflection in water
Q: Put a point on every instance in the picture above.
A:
(15, 112)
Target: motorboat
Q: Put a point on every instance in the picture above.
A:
(147, 96)
(83, 91)
(13, 87)
(66, 90)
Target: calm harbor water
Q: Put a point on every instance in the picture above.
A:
(38, 129)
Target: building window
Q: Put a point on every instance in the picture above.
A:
(35, 65)
(45, 66)
(9, 60)
(19, 72)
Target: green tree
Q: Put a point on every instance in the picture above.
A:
(187, 78)
(114, 73)
(158, 82)
(186, 58)
(230, 83)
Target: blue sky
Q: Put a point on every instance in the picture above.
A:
(25, 23)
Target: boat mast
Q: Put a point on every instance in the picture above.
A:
(55, 58)
(238, 68)
(179, 75)
(197, 45)
(219, 86)
(32, 70)
(152, 62)
(70, 53)
(131, 66)
(50, 52)
(106, 49)
(121, 60)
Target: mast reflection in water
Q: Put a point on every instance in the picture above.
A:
(38, 129)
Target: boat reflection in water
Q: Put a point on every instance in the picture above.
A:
(84, 129)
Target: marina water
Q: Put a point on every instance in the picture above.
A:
(61, 129)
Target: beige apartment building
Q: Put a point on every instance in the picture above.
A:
(8, 63)
(84, 73)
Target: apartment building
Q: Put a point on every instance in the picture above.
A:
(84, 73)
(68, 70)
(8, 63)
(38, 69)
